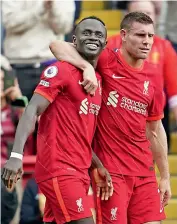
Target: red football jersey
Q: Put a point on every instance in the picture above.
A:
(161, 55)
(67, 126)
(130, 97)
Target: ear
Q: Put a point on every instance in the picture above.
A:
(123, 33)
(74, 40)
(105, 44)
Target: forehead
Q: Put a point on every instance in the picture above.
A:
(141, 6)
(92, 24)
(139, 27)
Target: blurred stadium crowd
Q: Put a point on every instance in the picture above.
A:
(27, 29)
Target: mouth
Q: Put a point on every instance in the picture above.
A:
(145, 50)
(92, 46)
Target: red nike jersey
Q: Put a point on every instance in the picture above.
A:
(161, 55)
(67, 126)
(130, 97)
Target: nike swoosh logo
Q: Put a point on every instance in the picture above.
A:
(117, 77)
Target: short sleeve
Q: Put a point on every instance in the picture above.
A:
(52, 81)
(156, 108)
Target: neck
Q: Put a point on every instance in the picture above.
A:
(3, 102)
(131, 61)
(92, 61)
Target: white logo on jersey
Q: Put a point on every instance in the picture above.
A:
(79, 204)
(113, 99)
(84, 106)
(44, 83)
(146, 86)
(114, 213)
(50, 72)
(117, 77)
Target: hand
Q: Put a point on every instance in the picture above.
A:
(165, 191)
(90, 82)
(13, 92)
(42, 200)
(48, 4)
(103, 183)
(11, 172)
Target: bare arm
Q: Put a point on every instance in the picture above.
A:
(26, 125)
(64, 51)
(157, 137)
(12, 170)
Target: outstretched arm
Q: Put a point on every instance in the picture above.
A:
(65, 51)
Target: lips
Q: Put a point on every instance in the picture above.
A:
(92, 46)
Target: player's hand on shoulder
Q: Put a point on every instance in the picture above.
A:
(11, 172)
(165, 191)
(103, 181)
(90, 82)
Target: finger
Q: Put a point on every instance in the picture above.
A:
(106, 193)
(3, 175)
(11, 180)
(7, 91)
(90, 89)
(111, 190)
(98, 191)
(85, 82)
(7, 176)
(92, 92)
(88, 86)
(102, 193)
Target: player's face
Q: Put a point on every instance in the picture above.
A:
(138, 40)
(90, 38)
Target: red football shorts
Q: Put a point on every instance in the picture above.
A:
(66, 199)
(136, 200)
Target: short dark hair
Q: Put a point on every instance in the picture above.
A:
(132, 17)
(89, 17)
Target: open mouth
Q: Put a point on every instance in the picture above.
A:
(92, 46)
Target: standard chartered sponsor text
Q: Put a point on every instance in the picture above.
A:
(133, 105)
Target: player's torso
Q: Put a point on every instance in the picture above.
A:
(121, 136)
(127, 94)
(71, 121)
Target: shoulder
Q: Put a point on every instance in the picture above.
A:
(114, 41)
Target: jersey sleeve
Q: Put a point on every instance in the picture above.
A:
(156, 108)
(52, 81)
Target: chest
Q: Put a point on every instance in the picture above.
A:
(75, 96)
(128, 91)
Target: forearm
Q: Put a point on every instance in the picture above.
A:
(25, 126)
(159, 149)
(96, 163)
(64, 51)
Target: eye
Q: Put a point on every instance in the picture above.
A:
(151, 35)
(99, 34)
(86, 32)
(140, 34)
